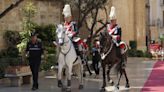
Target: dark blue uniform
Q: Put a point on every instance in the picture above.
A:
(95, 60)
(35, 52)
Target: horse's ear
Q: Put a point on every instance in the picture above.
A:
(56, 26)
(101, 34)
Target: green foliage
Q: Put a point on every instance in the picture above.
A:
(10, 55)
(50, 50)
(12, 38)
(3, 65)
(133, 44)
(138, 53)
(162, 37)
(29, 10)
(12, 52)
(135, 53)
(3, 53)
(148, 54)
(51, 61)
(25, 35)
(46, 33)
(28, 26)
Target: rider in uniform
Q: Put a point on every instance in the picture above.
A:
(71, 29)
(115, 30)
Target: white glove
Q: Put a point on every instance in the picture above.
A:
(54, 42)
(27, 55)
(70, 35)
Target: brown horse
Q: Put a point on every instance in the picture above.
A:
(110, 57)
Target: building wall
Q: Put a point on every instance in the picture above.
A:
(156, 19)
(131, 15)
(48, 12)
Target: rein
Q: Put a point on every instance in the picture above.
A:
(69, 47)
(103, 55)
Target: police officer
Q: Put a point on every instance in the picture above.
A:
(34, 50)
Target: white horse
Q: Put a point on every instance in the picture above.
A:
(67, 58)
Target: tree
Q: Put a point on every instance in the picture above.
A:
(88, 15)
(29, 11)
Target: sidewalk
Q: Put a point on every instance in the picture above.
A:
(137, 69)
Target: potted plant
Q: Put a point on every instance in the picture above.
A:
(48, 66)
(15, 63)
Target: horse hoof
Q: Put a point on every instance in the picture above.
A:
(112, 84)
(63, 89)
(127, 86)
(84, 75)
(117, 87)
(102, 90)
(68, 90)
(81, 86)
(60, 85)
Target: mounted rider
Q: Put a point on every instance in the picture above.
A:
(115, 30)
(72, 29)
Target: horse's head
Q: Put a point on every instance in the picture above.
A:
(60, 34)
(105, 41)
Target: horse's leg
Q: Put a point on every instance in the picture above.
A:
(59, 75)
(127, 80)
(108, 76)
(104, 77)
(118, 83)
(88, 68)
(69, 77)
(80, 75)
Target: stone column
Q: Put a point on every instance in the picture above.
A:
(140, 24)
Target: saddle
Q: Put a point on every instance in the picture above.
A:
(76, 43)
(122, 46)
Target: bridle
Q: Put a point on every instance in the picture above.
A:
(65, 42)
(103, 55)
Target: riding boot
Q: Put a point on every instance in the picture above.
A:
(60, 83)
(69, 83)
(118, 52)
(81, 56)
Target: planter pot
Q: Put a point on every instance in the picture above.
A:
(49, 73)
(18, 75)
(17, 69)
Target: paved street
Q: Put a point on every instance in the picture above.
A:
(137, 69)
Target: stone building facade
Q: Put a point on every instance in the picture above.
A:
(156, 17)
(48, 12)
(130, 13)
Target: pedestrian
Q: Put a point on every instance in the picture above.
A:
(96, 57)
(34, 51)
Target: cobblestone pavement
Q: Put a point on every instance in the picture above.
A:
(138, 70)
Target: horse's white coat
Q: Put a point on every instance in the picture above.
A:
(67, 55)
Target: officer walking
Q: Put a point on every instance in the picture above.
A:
(34, 50)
